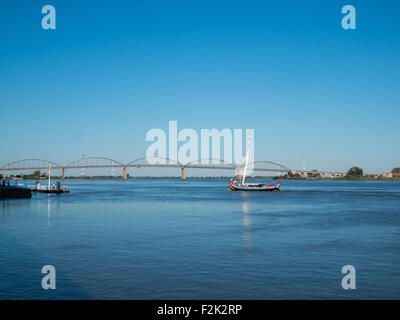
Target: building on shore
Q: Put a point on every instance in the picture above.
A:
(387, 175)
(396, 172)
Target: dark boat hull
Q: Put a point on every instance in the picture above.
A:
(15, 193)
(49, 191)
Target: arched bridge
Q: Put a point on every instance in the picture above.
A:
(159, 162)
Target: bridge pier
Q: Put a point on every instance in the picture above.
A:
(63, 174)
(183, 174)
(125, 174)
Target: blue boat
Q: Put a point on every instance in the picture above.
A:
(13, 192)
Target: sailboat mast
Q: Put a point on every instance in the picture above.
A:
(49, 177)
(247, 161)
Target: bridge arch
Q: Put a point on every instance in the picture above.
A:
(143, 161)
(95, 161)
(30, 163)
(280, 166)
(220, 161)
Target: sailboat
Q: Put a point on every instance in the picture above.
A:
(49, 188)
(235, 185)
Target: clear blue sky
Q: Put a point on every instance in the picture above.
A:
(112, 70)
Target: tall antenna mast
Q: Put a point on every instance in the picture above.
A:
(304, 162)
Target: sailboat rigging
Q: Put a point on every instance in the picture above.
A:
(235, 185)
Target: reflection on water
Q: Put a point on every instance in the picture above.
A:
(168, 239)
(246, 222)
(48, 211)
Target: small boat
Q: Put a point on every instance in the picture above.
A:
(235, 185)
(238, 186)
(14, 192)
(54, 188)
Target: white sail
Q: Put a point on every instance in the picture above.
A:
(49, 177)
(247, 160)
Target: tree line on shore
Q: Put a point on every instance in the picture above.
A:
(354, 173)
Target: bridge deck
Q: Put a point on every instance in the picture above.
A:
(214, 167)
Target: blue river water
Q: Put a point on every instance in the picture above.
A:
(193, 239)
